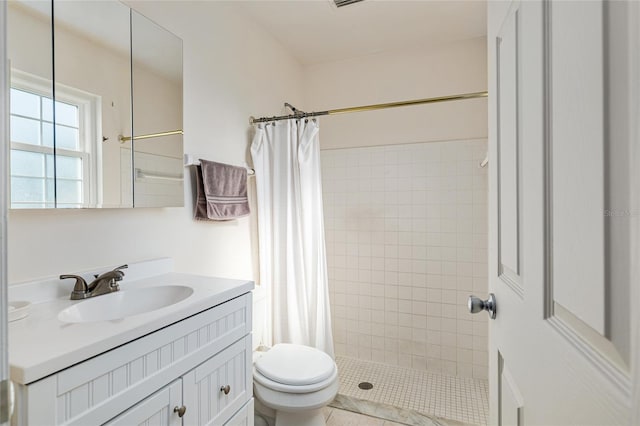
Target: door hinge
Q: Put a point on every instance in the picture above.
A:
(6, 401)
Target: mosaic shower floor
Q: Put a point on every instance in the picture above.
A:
(460, 399)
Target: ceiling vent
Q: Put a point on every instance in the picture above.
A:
(341, 3)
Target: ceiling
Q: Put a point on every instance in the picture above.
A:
(316, 31)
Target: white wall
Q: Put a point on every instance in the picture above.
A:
(231, 70)
(415, 73)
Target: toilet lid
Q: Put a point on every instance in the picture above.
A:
(295, 365)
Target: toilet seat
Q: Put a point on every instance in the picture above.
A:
(295, 369)
(280, 387)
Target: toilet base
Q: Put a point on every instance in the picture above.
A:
(301, 418)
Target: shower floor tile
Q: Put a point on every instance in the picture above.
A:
(454, 398)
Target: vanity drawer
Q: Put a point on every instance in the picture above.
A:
(158, 409)
(92, 391)
(220, 386)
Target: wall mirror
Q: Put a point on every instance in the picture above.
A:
(30, 35)
(82, 133)
(157, 110)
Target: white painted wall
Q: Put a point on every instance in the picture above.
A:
(414, 73)
(232, 70)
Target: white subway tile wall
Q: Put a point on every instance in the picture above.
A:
(406, 235)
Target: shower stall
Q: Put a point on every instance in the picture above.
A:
(406, 241)
(406, 238)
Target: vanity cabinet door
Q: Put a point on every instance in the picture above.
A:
(156, 410)
(244, 416)
(216, 389)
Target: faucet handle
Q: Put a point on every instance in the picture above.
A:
(119, 273)
(118, 277)
(80, 286)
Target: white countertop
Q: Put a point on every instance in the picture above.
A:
(41, 344)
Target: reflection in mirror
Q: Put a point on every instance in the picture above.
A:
(157, 108)
(31, 104)
(78, 151)
(93, 103)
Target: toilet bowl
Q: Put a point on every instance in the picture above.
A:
(297, 382)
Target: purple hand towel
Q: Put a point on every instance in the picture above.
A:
(225, 192)
(200, 210)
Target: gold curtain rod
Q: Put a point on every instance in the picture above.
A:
(124, 139)
(300, 114)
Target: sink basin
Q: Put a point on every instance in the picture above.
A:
(125, 303)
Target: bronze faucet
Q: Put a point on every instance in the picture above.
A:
(102, 284)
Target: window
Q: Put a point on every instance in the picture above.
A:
(35, 181)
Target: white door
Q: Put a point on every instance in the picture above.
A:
(563, 103)
(4, 175)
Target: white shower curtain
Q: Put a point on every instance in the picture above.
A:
(293, 267)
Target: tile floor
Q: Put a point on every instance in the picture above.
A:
(455, 398)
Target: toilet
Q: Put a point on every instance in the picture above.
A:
(296, 382)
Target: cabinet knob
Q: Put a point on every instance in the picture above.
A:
(180, 410)
(225, 389)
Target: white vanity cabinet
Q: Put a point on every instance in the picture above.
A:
(201, 363)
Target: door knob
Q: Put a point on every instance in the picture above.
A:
(476, 305)
(180, 410)
(226, 389)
